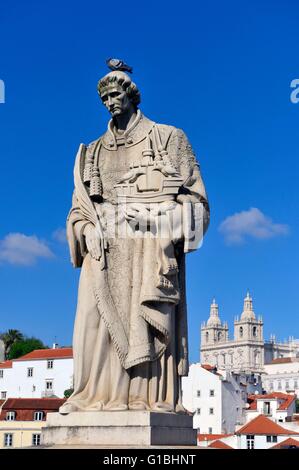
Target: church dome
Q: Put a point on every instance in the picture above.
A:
(214, 319)
(248, 313)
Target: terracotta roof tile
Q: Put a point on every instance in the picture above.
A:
(283, 360)
(264, 426)
(208, 367)
(58, 353)
(6, 365)
(210, 437)
(288, 442)
(287, 400)
(33, 403)
(219, 445)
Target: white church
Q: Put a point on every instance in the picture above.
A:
(247, 352)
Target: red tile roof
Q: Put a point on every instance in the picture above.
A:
(288, 442)
(6, 365)
(287, 400)
(208, 367)
(211, 437)
(58, 353)
(283, 360)
(264, 426)
(219, 445)
(33, 403)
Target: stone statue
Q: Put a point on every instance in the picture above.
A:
(139, 205)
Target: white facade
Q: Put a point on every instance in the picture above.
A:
(247, 352)
(271, 407)
(282, 376)
(37, 378)
(243, 354)
(261, 441)
(217, 400)
(275, 350)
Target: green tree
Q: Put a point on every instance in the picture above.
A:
(9, 338)
(27, 345)
(67, 393)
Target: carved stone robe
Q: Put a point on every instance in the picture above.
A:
(130, 334)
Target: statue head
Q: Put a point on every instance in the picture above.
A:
(118, 93)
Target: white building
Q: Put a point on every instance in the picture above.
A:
(41, 373)
(247, 352)
(243, 354)
(279, 407)
(218, 401)
(260, 433)
(282, 375)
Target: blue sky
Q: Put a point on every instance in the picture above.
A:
(219, 70)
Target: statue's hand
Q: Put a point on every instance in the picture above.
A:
(94, 241)
(139, 213)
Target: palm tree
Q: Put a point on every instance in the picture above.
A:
(9, 338)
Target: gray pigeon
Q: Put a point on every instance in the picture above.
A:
(117, 64)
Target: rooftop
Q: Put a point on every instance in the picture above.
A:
(211, 437)
(219, 445)
(33, 403)
(283, 360)
(57, 353)
(288, 442)
(6, 365)
(285, 399)
(264, 426)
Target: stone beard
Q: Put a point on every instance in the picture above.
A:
(130, 335)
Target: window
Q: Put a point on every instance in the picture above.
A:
(287, 384)
(198, 411)
(212, 393)
(198, 393)
(211, 411)
(250, 441)
(8, 440)
(50, 364)
(1, 373)
(38, 415)
(271, 438)
(3, 395)
(30, 372)
(10, 415)
(210, 430)
(295, 383)
(279, 385)
(254, 331)
(36, 439)
(241, 331)
(49, 385)
(271, 386)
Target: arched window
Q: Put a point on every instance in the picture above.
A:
(254, 331)
(219, 336)
(207, 337)
(241, 331)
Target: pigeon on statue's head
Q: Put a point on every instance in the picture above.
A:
(117, 64)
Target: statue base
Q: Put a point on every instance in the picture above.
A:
(118, 428)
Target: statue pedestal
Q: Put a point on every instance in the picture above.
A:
(118, 428)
